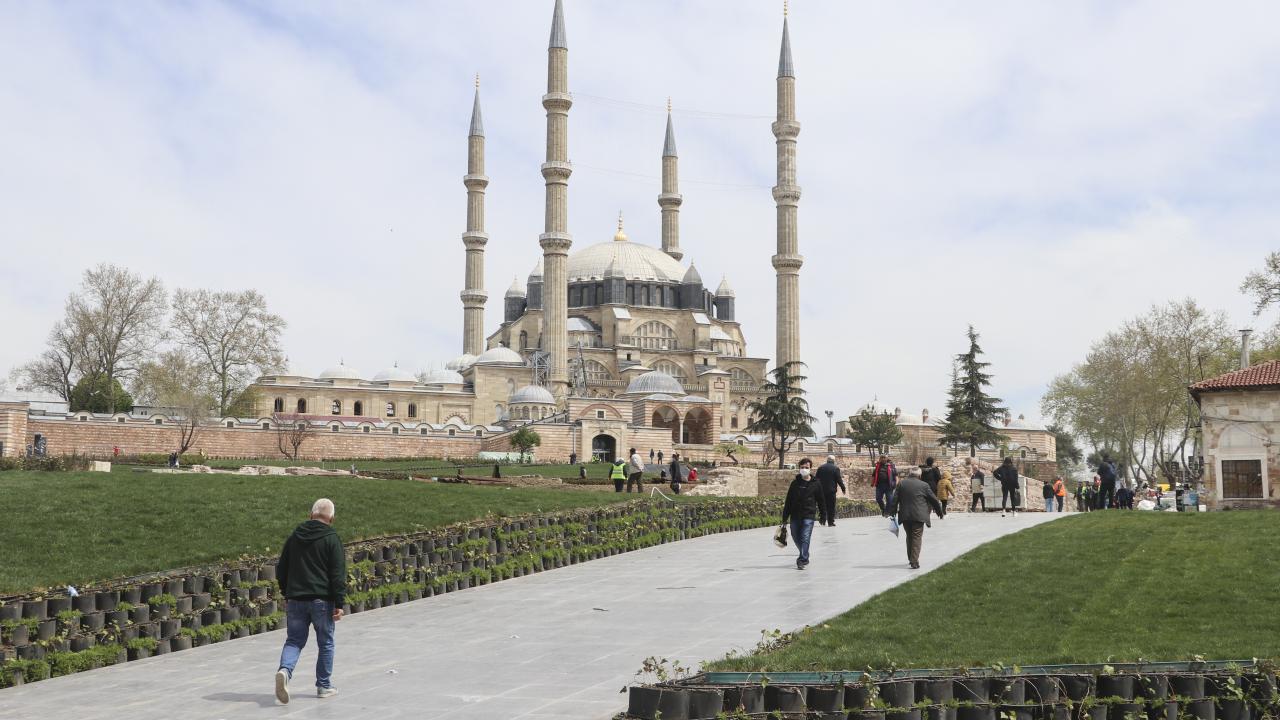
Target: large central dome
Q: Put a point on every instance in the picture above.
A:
(632, 260)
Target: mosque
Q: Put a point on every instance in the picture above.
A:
(615, 344)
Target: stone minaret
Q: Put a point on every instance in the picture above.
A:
(475, 238)
(787, 196)
(670, 198)
(556, 240)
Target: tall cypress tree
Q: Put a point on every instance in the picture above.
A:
(781, 412)
(971, 413)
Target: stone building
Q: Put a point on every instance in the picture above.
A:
(1240, 426)
(1026, 441)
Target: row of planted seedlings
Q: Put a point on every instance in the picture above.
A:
(473, 554)
(1239, 692)
(52, 634)
(44, 636)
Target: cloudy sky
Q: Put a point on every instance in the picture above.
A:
(1041, 170)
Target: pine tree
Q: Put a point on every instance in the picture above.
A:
(971, 413)
(782, 413)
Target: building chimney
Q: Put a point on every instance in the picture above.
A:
(924, 416)
(1244, 348)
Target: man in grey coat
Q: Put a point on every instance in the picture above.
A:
(912, 503)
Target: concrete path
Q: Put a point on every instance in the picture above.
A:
(559, 644)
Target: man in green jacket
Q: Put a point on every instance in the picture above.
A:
(312, 572)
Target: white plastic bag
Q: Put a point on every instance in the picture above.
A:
(893, 526)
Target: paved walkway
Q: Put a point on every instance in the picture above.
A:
(559, 644)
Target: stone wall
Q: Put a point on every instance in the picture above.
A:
(98, 437)
(13, 429)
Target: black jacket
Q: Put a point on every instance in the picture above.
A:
(829, 474)
(677, 475)
(1106, 473)
(312, 564)
(913, 501)
(1008, 476)
(804, 501)
(1047, 490)
(931, 476)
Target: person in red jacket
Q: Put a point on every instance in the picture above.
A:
(884, 477)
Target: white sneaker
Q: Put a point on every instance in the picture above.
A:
(282, 686)
(324, 692)
(1001, 513)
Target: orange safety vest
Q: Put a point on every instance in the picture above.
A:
(1059, 489)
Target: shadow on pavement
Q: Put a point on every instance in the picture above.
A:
(262, 699)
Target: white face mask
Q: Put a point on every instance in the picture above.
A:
(804, 472)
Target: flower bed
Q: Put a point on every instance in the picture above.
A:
(44, 635)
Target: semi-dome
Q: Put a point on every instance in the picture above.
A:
(460, 363)
(340, 372)
(442, 377)
(655, 381)
(499, 354)
(725, 290)
(532, 395)
(516, 290)
(623, 257)
(394, 374)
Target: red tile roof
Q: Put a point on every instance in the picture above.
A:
(1265, 375)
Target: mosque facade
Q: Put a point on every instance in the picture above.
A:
(615, 343)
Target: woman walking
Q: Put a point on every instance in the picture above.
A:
(804, 504)
(946, 490)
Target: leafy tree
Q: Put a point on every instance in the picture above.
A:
(874, 430)
(971, 413)
(524, 440)
(1069, 454)
(1264, 284)
(731, 450)
(117, 317)
(100, 395)
(232, 336)
(782, 413)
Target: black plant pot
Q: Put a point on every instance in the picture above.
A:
(970, 689)
(119, 618)
(651, 703)
(1008, 691)
(18, 635)
(85, 603)
(230, 614)
(705, 702)
(787, 698)
(11, 611)
(210, 616)
(824, 698)
(898, 694)
(141, 593)
(163, 646)
(181, 642)
(32, 652)
(249, 575)
(1153, 687)
(856, 697)
(55, 605)
(1009, 711)
(1167, 710)
(867, 714)
(747, 698)
(241, 632)
(1121, 686)
(183, 607)
(159, 612)
(93, 622)
(174, 587)
(1076, 687)
(1231, 709)
(1042, 689)
(46, 629)
(200, 601)
(940, 712)
(935, 691)
(140, 614)
(1259, 686)
(107, 600)
(169, 628)
(138, 653)
(37, 609)
(1125, 711)
(904, 714)
(81, 643)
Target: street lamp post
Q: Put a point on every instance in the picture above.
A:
(830, 414)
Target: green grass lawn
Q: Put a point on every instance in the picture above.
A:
(61, 528)
(1085, 589)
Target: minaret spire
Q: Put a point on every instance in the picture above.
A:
(670, 199)
(786, 194)
(556, 240)
(475, 238)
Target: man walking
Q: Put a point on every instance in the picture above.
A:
(677, 477)
(804, 503)
(312, 572)
(912, 502)
(1007, 474)
(884, 476)
(829, 477)
(635, 472)
(1047, 493)
(930, 475)
(977, 482)
(1107, 488)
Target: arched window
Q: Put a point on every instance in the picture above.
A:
(358, 408)
(279, 405)
(413, 410)
(655, 335)
(336, 408)
(670, 368)
(741, 378)
(596, 372)
(733, 422)
(302, 405)
(524, 339)
(391, 409)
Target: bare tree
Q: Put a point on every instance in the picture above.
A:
(173, 381)
(234, 336)
(291, 432)
(59, 366)
(119, 315)
(1264, 284)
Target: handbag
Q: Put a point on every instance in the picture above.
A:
(893, 526)
(780, 537)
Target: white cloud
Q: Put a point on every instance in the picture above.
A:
(1039, 170)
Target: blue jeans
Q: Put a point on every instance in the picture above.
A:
(299, 617)
(801, 532)
(884, 495)
(1048, 504)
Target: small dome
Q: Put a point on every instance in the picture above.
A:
(724, 290)
(532, 394)
(442, 377)
(655, 382)
(499, 354)
(341, 372)
(537, 272)
(516, 290)
(691, 276)
(460, 363)
(394, 374)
